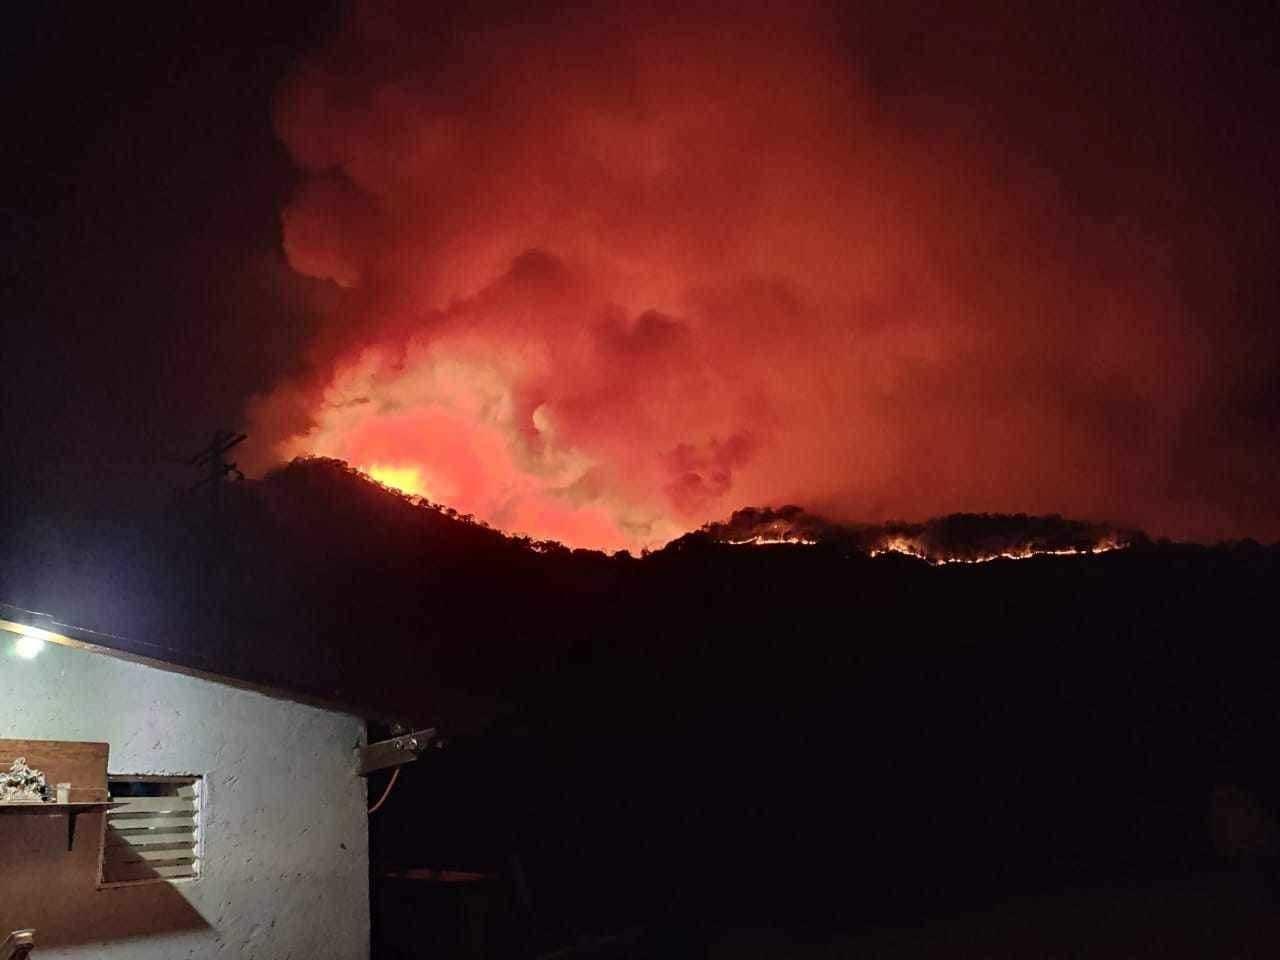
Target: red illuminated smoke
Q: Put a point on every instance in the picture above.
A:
(610, 276)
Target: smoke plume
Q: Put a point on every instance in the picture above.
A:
(607, 274)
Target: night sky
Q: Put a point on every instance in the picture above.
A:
(605, 273)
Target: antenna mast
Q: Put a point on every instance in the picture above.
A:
(214, 459)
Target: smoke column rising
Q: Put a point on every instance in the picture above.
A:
(608, 276)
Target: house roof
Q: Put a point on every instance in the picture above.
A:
(44, 626)
(316, 583)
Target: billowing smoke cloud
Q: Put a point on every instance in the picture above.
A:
(610, 275)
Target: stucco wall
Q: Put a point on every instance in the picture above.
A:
(285, 839)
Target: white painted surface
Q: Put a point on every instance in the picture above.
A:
(285, 838)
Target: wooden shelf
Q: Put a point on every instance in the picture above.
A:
(70, 810)
(40, 806)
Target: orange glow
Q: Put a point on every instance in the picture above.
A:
(606, 280)
(769, 541)
(405, 479)
(910, 548)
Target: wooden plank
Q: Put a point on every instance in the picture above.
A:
(52, 808)
(82, 764)
(135, 833)
(167, 842)
(178, 846)
(136, 821)
(170, 854)
(396, 751)
(153, 829)
(131, 805)
(124, 872)
(170, 836)
(140, 828)
(150, 839)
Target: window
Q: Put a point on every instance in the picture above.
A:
(155, 832)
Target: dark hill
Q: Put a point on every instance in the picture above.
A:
(318, 579)
(720, 732)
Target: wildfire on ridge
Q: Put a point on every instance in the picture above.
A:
(761, 541)
(912, 549)
(956, 538)
(952, 539)
(405, 479)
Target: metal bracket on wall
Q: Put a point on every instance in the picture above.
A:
(398, 750)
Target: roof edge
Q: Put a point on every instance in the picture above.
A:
(18, 620)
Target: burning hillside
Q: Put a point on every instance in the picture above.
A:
(956, 538)
(977, 538)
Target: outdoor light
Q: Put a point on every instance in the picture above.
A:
(28, 647)
(30, 640)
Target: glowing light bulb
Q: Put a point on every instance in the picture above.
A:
(28, 647)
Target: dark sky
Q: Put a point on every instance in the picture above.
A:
(1095, 183)
(140, 218)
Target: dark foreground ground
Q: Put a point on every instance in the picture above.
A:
(796, 755)
(1213, 913)
(1210, 914)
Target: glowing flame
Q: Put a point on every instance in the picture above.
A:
(958, 538)
(909, 548)
(405, 479)
(761, 541)
(912, 549)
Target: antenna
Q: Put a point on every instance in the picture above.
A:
(213, 457)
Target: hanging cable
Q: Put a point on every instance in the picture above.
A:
(386, 792)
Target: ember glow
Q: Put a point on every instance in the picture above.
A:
(913, 549)
(769, 541)
(606, 277)
(958, 538)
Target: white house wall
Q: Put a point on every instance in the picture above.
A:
(285, 841)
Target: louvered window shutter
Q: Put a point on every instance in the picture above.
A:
(155, 832)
